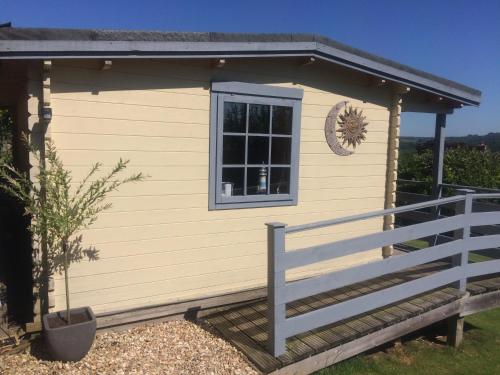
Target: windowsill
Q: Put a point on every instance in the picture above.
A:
(257, 204)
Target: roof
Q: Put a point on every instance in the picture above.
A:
(38, 43)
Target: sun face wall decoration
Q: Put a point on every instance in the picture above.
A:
(352, 129)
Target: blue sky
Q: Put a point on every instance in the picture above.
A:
(456, 39)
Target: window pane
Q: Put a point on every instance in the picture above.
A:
(232, 181)
(258, 119)
(280, 180)
(281, 150)
(257, 179)
(282, 120)
(258, 150)
(233, 149)
(235, 116)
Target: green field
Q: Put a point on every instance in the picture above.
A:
(427, 353)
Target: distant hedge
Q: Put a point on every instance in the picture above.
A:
(462, 166)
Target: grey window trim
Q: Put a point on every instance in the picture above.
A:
(252, 94)
(258, 90)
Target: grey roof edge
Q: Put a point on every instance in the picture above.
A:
(31, 43)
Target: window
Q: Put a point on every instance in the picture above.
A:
(254, 143)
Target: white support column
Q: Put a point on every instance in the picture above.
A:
(276, 313)
(463, 207)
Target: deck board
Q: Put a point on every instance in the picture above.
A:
(246, 326)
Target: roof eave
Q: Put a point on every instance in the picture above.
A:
(58, 49)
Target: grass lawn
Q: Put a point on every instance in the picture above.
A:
(428, 354)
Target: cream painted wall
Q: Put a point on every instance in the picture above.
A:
(159, 243)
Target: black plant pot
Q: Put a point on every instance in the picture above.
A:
(69, 342)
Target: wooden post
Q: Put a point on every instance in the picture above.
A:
(392, 165)
(455, 331)
(463, 207)
(456, 323)
(275, 284)
(438, 154)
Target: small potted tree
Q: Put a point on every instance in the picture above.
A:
(59, 209)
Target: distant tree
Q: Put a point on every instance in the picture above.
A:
(462, 166)
(5, 136)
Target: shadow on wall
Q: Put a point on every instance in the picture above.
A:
(15, 243)
(127, 74)
(15, 260)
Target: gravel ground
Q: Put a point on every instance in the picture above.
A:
(177, 347)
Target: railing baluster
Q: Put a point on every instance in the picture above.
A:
(276, 313)
(462, 259)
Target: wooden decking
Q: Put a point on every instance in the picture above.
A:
(246, 326)
(9, 336)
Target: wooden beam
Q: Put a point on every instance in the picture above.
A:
(106, 64)
(342, 352)
(481, 302)
(434, 98)
(218, 63)
(437, 165)
(46, 110)
(308, 61)
(400, 89)
(376, 82)
(197, 308)
(427, 107)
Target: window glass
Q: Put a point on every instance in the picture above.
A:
(258, 118)
(232, 181)
(281, 150)
(258, 150)
(235, 117)
(233, 148)
(280, 180)
(282, 120)
(257, 180)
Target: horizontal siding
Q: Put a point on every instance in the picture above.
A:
(182, 287)
(165, 244)
(122, 128)
(159, 243)
(312, 115)
(99, 267)
(172, 230)
(308, 191)
(89, 142)
(148, 131)
(96, 110)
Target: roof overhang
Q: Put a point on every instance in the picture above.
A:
(217, 45)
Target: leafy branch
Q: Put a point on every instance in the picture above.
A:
(58, 211)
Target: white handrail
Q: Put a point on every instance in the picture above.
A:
(369, 215)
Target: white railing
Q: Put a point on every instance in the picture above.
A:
(281, 292)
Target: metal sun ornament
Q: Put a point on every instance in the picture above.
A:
(352, 129)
